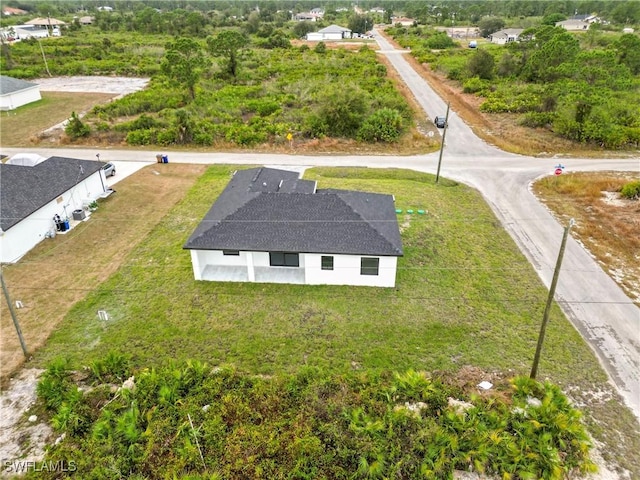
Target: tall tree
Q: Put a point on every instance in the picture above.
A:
(228, 44)
(481, 64)
(184, 62)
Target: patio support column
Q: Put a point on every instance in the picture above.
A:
(250, 271)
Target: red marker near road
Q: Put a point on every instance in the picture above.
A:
(558, 171)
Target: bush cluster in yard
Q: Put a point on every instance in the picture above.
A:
(189, 418)
(631, 190)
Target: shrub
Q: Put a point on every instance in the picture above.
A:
(439, 41)
(475, 85)
(385, 125)
(321, 47)
(631, 190)
(537, 119)
(76, 128)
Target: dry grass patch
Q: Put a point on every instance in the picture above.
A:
(23, 127)
(606, 224)
(59, 272)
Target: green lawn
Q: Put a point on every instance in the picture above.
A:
(465, 296)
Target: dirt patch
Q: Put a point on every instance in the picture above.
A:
(114, 85)
(61, 271)
(21, 439)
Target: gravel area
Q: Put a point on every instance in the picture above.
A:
(115, 85)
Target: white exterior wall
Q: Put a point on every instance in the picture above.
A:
(25, 235)
(201, 258)
(346, 268)
(11, 101)
(315, 37)
(346, 271)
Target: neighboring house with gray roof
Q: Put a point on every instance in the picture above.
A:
(574, 25)
(508, 35)
(15, 93)
(332, 32)
(30, 197)
(270, 226)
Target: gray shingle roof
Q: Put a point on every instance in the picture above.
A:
(23, 190)
(11, 85)
(334, 29)
(253, 214)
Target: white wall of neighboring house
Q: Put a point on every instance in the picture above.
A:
(318, 37)
(346, 268)
(13, 100)
(26, 234)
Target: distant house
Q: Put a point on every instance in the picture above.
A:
(332, 32)
(508, 35)
(307, 17)
(45, 22)
(86, 20)
(270, 226)
(587, 18)
(30, 197)
(8, 11)
(15, 93)
(404, 21)
(574, 25)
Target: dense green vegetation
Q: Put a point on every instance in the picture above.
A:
(188, 418)
(227, 89)
(583, 87)
(264, 97)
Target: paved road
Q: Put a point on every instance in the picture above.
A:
(593, 302)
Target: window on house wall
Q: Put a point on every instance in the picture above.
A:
(327, 262)
(369, 265)
(282, 259)
(231, 252)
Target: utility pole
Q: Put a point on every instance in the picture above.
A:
(13, 315)
(552, 291)
(444, 133)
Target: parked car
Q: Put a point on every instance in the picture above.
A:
(440, 121)
(109, 169)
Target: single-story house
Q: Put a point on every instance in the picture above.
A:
(8, 11)
(508, 35)
(15, 93)
(332, 32)
(307, 17)
(574, 25)
(404, 21)
(23, 32)
(270, 226)
(31, 196)
(45, 22)
(587, 17)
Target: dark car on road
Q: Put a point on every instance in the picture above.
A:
(440, 121)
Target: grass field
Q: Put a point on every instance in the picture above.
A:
(455, 302)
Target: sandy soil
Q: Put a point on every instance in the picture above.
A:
(117, 85)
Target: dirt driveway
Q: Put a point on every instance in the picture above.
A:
(117, 85)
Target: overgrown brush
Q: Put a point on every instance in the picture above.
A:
(191, 419)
